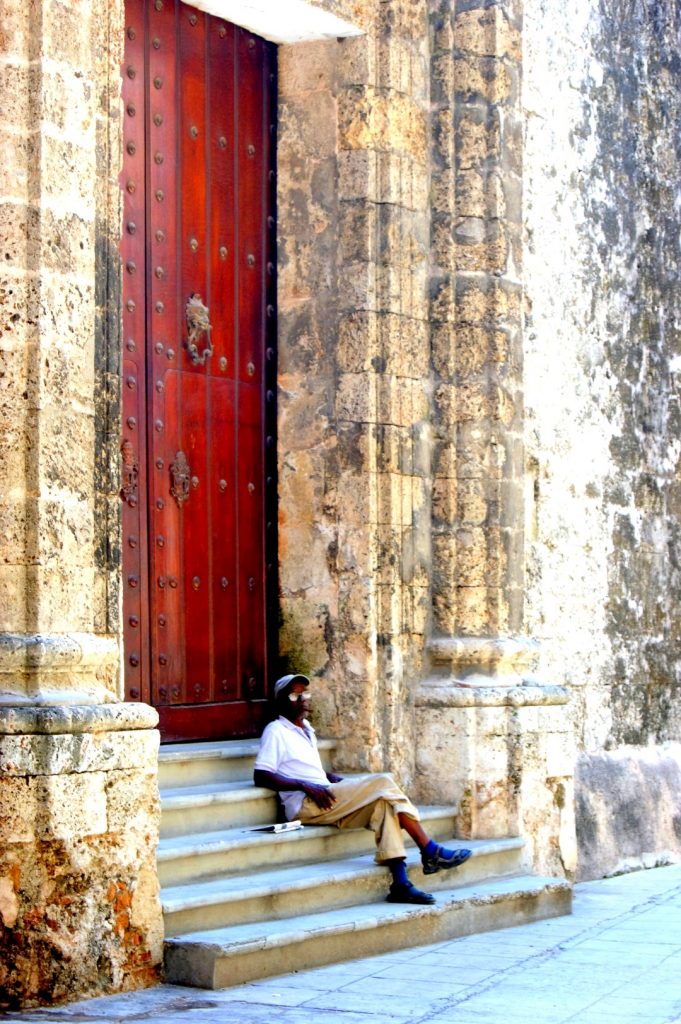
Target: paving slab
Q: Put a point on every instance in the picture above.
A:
(616, 960)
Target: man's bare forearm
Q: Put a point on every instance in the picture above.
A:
(279, 783)
(320, 795)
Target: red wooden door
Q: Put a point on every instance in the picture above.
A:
(198, 368)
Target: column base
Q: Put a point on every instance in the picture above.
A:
(58, 669)
(79, 894)
(481, 660)
(504, 754)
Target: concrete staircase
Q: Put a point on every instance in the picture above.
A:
(241, 905)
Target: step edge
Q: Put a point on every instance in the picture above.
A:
(176, 799)
(245, 748)
(236, 789)
(231, 839)
(480, 893)
(480, 848)
(346, 870)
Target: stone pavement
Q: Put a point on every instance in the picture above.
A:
(617, 960)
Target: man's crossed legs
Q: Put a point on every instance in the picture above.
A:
(376, 802)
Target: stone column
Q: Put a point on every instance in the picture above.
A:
(54, 643)
(478, 462)
(78, 893)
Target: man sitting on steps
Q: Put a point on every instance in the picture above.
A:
(288, 762)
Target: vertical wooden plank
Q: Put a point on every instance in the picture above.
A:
(165, 542)
(163, 356)
(223, 199)
(270, 365)
(195, 429)
(225, 579)
(222, 193)
(196, 583)
(133, 440)
(250, 157)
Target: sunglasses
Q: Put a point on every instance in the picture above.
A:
(294, 697)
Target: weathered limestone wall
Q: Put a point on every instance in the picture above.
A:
(401, 413)
(602, 104)
(499, 748)
(353, 360)
(54, 607)
(79, 906)
(78, 884)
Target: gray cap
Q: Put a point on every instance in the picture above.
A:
(285, 681)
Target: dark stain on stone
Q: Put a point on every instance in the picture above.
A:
(107, 418)
(635, 263)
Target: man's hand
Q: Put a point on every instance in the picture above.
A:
(334, 778)
(320, 795)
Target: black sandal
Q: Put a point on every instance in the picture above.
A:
(401, 892)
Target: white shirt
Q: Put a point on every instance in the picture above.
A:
(291, 752)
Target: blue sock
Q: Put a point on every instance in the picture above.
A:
(430, 849)
(398, 869)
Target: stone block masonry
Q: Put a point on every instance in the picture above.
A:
(79, 903)
(353, 404)
(79, 907)
(58, 225)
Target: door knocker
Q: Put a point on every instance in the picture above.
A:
(130, 474)
(179, 475)
(198, 323)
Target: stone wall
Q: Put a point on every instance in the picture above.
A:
(79, 902)
(353, 362)
(602, 191)
(401, 414)
(79, 906)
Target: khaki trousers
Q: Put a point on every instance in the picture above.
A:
(371, 801)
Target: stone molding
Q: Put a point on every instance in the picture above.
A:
(58, 668)
(75, 719)
(28, 756)
(482, 661)
(453, 695)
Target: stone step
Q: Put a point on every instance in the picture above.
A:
(312, 888)
(217, 958)
(216, 805)
(188, 858)
(196, 764)
(213, 806)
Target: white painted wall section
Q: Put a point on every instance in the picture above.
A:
(280, 21)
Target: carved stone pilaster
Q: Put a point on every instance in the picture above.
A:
(490, 738)
(476, 319)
